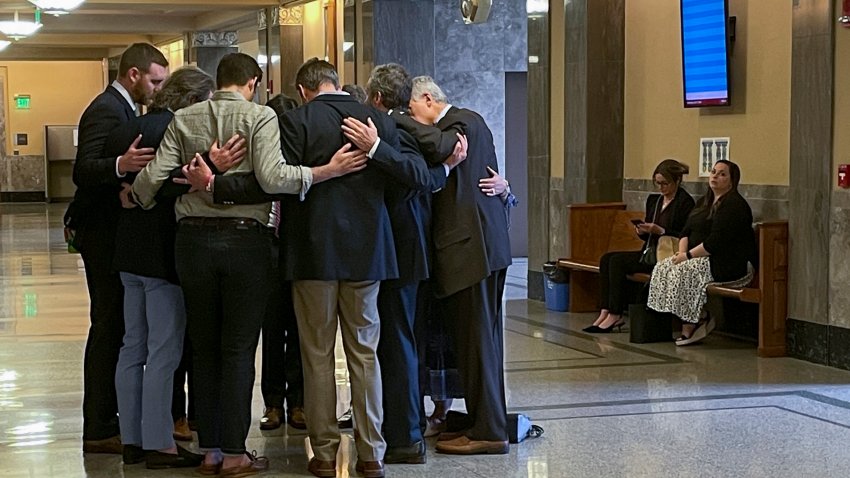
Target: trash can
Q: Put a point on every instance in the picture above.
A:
(556, 287)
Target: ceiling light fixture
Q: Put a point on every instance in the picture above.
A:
(56, 7)
(16, 29)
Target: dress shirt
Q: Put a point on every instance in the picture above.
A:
(195, 128)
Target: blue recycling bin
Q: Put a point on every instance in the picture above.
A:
(557, 295)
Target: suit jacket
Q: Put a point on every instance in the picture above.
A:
(96, 204)
(342, 230)
(144, 242)
(470, 228)
(408, 194)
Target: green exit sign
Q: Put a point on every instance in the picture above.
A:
(22, 102)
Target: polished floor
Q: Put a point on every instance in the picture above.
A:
(609, 408)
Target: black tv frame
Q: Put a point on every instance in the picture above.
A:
(729, 32)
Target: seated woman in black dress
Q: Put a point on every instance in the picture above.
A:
(716, 244)
(666, 214)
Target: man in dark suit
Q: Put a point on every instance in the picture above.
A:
(472, 253)
(337, 246)
(93, 216)
(410, 214)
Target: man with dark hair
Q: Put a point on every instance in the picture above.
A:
(410, 214)
(225, 253)
(93, 217)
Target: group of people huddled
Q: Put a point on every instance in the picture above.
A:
(715, 244)
(210, 218)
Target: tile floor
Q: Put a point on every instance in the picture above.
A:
(609, 408)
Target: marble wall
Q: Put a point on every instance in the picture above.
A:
(468, 61)
(767, 202)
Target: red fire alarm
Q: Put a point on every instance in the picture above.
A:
(844, 175)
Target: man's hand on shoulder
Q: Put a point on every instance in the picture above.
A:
(135, 159)
(230, 154)
(459, 153)
(344, 161)
(362, 135)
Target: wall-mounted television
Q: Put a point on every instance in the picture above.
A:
(705, 52)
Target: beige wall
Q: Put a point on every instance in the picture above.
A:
(314, 30)
(841, 138)
(59, 91)
(657, 126)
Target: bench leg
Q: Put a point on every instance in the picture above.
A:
(584, 291)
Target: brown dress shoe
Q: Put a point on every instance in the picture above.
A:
(370, 469)
(256, 465)
(464, 446)
(181, 430)
(271, 418)
(446, 436)
(209, 470)
(110, 445)
(297, 418)
(322, 468)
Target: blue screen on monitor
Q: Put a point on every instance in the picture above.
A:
(705, 64)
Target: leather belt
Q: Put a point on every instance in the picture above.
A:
(223, 223)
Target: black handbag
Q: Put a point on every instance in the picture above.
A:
(649, 255)
(648, 326)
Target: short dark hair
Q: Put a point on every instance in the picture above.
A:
(393, 83)
(356, 91)
(186, 86)
(237, 69)
(315, 72)
(281, 104)
(141, 56)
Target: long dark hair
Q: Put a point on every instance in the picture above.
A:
(707, 201)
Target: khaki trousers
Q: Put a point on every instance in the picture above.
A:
(317, 306)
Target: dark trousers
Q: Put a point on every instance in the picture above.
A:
(225, 273)
(100, 405)
(282, 377)
(179, 397)
(399, 364)
(613, 285)
(477, 314)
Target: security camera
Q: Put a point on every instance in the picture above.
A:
(475, 11)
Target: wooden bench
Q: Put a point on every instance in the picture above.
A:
(599, 228)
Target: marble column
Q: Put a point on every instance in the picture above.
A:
(810, 179)
(539, 165)
(208, 48)
(291, 47)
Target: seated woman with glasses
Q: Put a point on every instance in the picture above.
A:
(716, 244)
(666, 214)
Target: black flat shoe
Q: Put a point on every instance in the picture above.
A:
(412, 454)
(132, 454)
(157, 460)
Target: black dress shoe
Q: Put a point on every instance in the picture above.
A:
(184, 458)
(132, 454)
(412, 454)
(593, 329)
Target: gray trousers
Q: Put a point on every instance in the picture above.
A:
(317, 305)
(154, 323)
